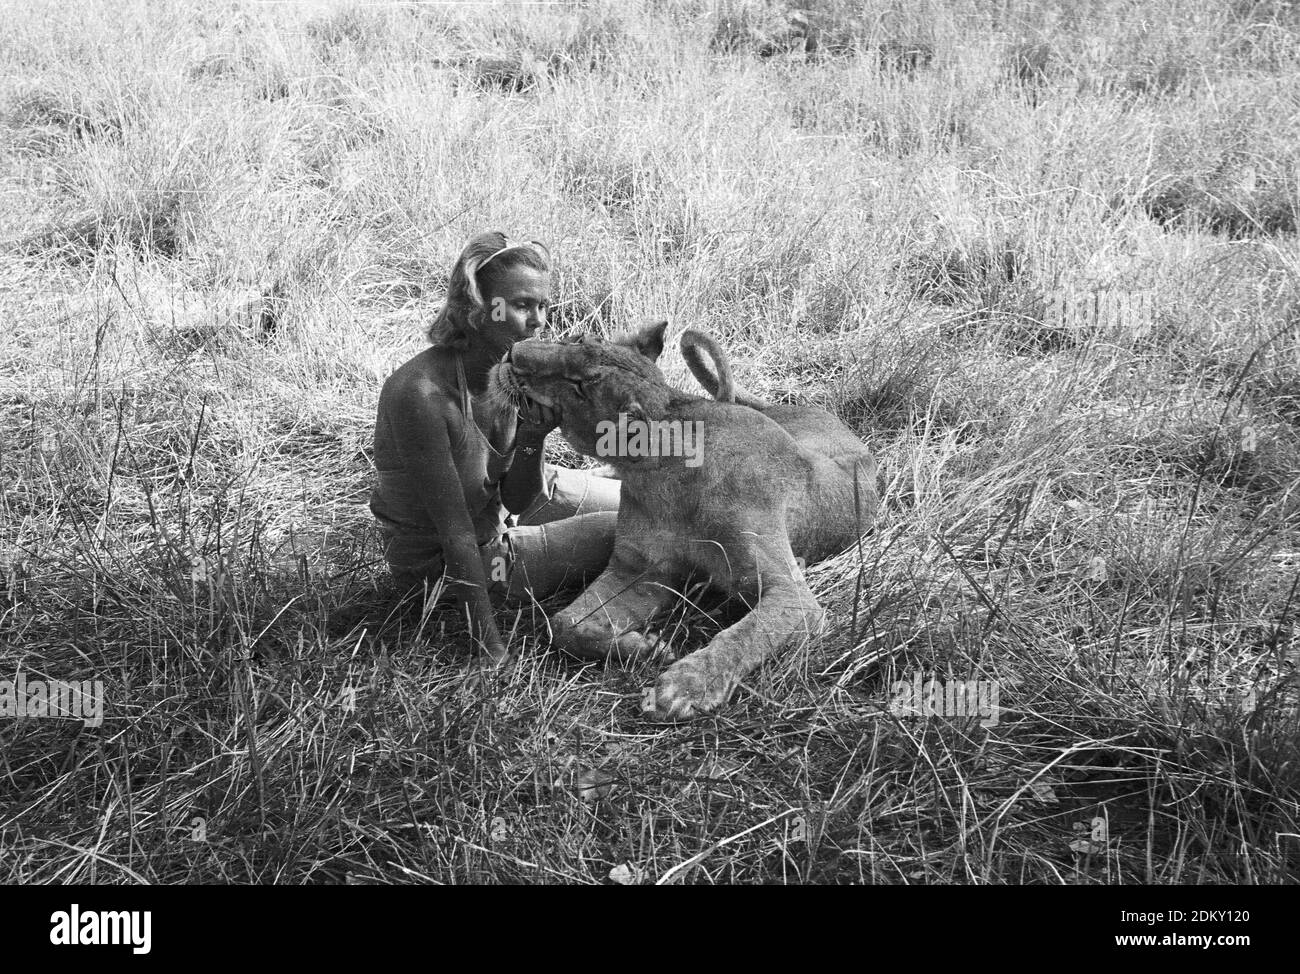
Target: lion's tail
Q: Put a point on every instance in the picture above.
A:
(722, 386)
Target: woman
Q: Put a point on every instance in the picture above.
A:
(452, 460)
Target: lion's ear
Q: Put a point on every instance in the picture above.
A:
(647, 340)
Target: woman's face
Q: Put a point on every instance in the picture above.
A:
(516, 306)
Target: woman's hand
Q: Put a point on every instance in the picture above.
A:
(523, 481)
(535, 421)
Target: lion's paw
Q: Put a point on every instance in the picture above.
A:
(634, 644)
(687, 689)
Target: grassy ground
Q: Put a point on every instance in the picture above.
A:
(225, 222)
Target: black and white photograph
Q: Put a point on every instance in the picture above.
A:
(650, 442)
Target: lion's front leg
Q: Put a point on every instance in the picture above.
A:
(786, 612)
(609, 619)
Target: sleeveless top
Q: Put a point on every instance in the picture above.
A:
(397, 500)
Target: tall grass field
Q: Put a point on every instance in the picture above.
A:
(1040, 255)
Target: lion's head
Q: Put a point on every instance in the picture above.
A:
(587, 380)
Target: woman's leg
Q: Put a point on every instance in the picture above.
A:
(565, 538)
(545, 558)
(414, 557)
(570, 493)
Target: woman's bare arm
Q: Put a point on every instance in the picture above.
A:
(421, 422)
(523, 481)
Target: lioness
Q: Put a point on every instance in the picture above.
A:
(767, 483)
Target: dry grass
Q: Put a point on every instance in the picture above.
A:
(226, 222)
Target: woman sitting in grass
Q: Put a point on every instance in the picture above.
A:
(452, 461)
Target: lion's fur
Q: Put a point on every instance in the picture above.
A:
(774, 483)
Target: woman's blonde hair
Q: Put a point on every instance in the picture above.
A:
(474, 275)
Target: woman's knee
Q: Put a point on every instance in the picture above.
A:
(548, 558)
(570, 493)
